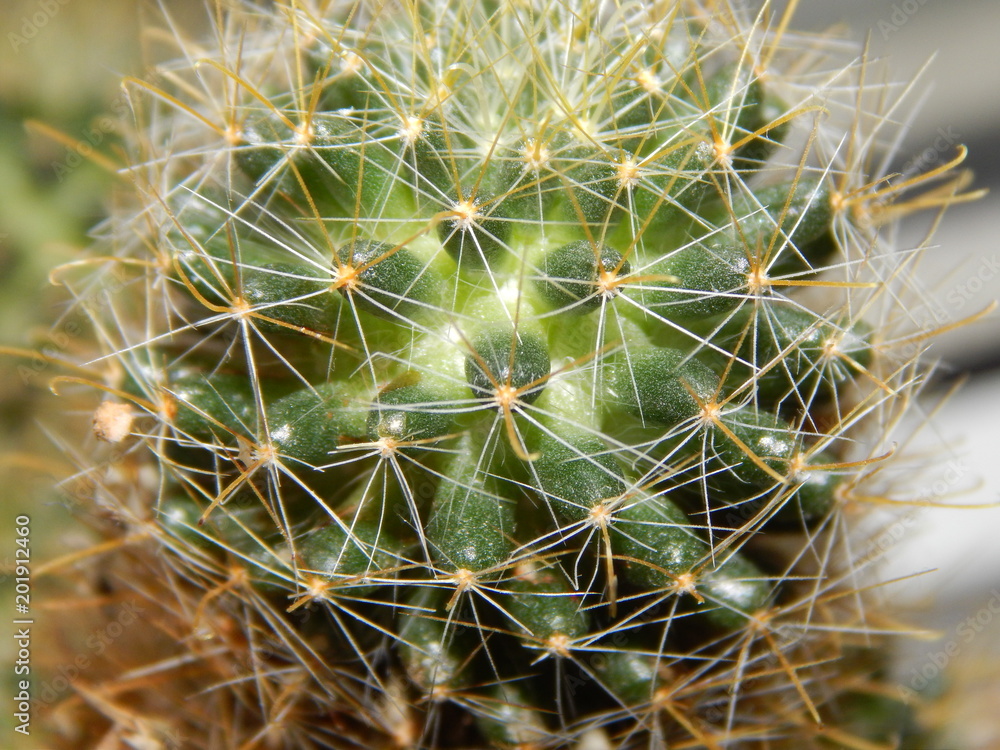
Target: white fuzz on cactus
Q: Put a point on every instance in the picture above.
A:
(505, 374)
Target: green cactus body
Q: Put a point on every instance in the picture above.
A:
(347, 556)
(506, 342)
(470, 528)
(309, 424)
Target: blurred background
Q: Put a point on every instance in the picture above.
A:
(60, 65)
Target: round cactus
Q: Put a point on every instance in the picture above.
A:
(482, 349)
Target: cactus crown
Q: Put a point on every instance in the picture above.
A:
(506, 369)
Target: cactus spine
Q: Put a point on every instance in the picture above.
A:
(505, 370)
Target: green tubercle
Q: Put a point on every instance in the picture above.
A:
(698, 281)
(471, 528)
(217, 405)
(308, 425)
(572, 275)
(502, 360)
(655, 542)
(544, 608)
(662, 385)
(386, 281)
(410, 412)
(288, 297)
(575, 473)
(347, 556)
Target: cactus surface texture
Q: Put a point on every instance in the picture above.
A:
(501, 374)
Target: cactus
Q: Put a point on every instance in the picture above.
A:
(499, 374)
